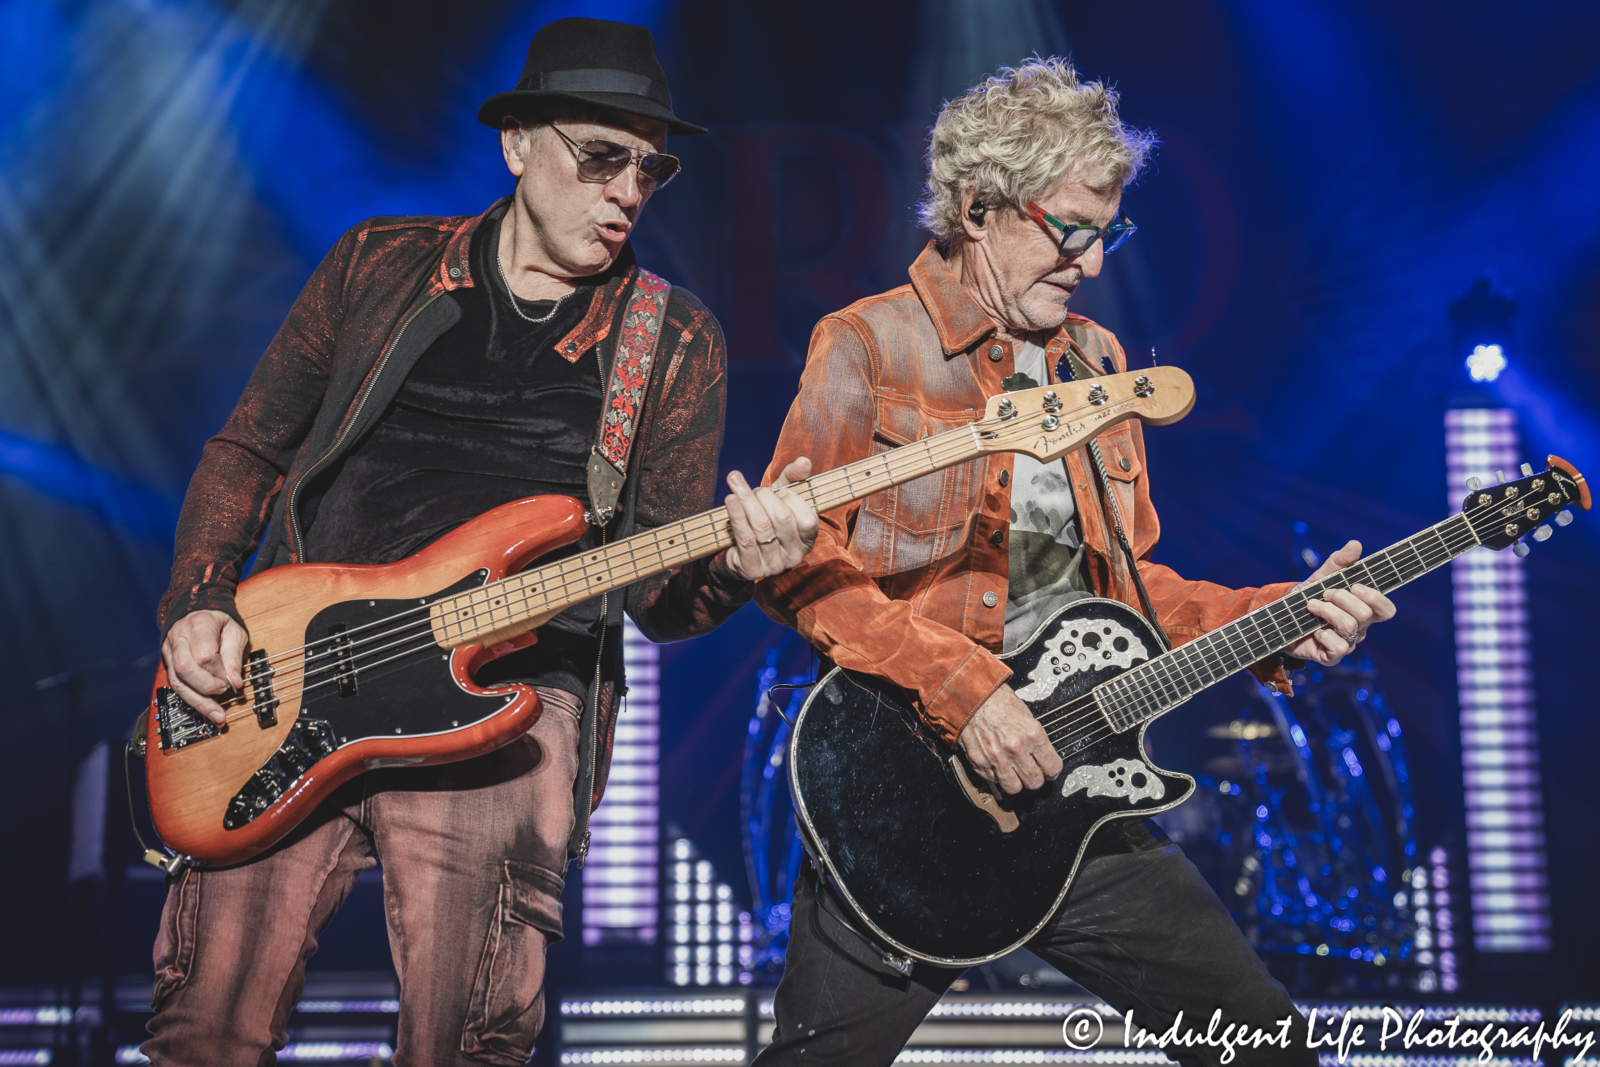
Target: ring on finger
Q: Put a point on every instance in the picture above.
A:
(1352, 637)
(768, 541)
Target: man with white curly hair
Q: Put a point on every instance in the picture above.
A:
(925, 584)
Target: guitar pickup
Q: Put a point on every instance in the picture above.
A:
(344, 660)
(178, 724)
(264, 703)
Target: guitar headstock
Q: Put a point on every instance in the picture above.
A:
(1502, 514)
(1051, 420)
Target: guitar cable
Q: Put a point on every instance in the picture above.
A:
(775, 686)
(164, 857)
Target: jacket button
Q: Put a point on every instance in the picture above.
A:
(572, 346)
(455, 272)
(1005, 478)
(998, 537)
(990, 600)
(1123, 462)
(996, 354)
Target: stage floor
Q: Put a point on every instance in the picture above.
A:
(350, 1018)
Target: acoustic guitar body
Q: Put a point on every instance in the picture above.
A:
(347, 677)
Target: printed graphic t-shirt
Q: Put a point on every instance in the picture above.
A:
(1046, 554)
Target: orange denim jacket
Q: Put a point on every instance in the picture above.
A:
(899, 585)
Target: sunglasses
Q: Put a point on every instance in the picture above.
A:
(600, 161)
(1076, 240)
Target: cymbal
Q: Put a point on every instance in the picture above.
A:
(1242, 730)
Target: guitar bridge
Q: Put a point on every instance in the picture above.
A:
(178, 724)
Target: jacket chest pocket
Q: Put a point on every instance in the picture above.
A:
(934, 503)
(1123, 470)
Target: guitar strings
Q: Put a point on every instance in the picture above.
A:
(939, 452)
(696, 543)
(1055, 728)
(1453, 541)
(1085, 709)
(816, 484)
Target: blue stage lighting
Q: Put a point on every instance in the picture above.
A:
(1486, 363)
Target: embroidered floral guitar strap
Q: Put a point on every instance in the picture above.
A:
(624, 403)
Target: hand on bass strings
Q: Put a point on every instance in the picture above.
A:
(1007, 746)
(1349, 613)
(204, 656)
(773, 526)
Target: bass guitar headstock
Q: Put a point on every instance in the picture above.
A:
(1502, 514)
(1050, 420)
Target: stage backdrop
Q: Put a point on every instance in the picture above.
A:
(1331, 176)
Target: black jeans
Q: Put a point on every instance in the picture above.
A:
(1141, 929)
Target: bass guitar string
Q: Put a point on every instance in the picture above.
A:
(696, 543)
(815, 485)
(949, 451)
(940, 453)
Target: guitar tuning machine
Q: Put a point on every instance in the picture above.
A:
(1563, 517)
(1499, 477)
(1543, 533)
(1142, 386)
(1520, 549)
(1052, 402)
(1098, 394)
(1474, 484)
(1527, 469)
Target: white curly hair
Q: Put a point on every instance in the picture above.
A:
(1016, 135)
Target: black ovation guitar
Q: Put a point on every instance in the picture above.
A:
(940, 868)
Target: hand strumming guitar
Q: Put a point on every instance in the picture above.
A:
(204, 655)
(773, 529)
(1007, 746)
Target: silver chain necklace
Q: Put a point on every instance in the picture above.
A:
(515, 307)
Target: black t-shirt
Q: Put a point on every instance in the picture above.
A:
(490, 413)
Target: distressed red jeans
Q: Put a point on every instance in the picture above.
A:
(473, 855)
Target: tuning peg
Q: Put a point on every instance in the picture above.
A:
(1474, 484)
(1543, 533)
(1563, 517)
(1520, 549)
(1527, 469)
(1499, 477)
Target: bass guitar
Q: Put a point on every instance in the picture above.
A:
(940, 867)
(351, 668)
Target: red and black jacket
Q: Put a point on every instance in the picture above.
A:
(379, 298)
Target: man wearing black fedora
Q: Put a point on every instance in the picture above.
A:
(432, 369)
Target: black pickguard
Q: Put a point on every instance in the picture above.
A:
(365, 677)
(922, 866)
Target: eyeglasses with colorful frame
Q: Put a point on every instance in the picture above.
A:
(600, 161)
(1076, 240)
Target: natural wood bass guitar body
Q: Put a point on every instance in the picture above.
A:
(419, 707)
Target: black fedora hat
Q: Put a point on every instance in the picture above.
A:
(590, 61)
